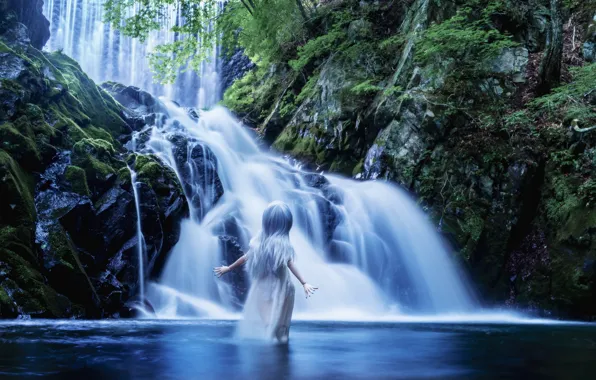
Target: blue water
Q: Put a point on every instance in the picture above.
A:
(317, 350)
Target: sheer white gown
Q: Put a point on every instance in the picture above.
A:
(270, 301)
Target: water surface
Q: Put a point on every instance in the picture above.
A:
(330, 350)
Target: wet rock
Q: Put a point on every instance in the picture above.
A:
(12, 66)
(89, 247)
(30, 14)
(197, 166)
(17, 37)
(513, 62)
(234, 67)
(232, 250)
(317, 181)
(141, 108)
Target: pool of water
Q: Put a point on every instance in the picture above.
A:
(317, 350)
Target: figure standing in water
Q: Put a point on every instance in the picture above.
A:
(270, 302)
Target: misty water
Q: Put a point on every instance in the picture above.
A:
(340, 350)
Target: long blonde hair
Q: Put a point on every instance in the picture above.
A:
(270, 250)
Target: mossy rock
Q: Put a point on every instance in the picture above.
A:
(95, 107)
(153, 172)
(77, 179)
(20, 146)
(16, 206)
(66, 273)
(27, 288)
(97, 158)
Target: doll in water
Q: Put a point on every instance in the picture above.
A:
(270, 300)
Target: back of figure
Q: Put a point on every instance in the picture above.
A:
(270, 301)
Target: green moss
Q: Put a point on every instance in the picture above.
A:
(86, 102)
(4, 298)
(17, 191)
(359, 168)
(78, 180)
(20, 146)
(124, 176)
(96, 147)
(96, 158)
(28, 288)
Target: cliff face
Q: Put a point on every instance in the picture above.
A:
(29, 13)
(446, 101)
(67, 210)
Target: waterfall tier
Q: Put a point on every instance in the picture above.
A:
(78, 29)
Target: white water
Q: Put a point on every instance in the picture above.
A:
(384, 257)
(140, 237)
(78, 29)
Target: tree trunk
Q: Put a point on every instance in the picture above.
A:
(550, 68)
(302, 10)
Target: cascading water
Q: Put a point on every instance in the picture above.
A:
(140, 237)
(365, 244)
(78, 29)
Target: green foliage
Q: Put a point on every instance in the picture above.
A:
(318, 47)
(563, 201)
(253, 92)
(570, 101)
(265, 29)
(467, 42)
(587, 191)
(308, 90)
(365, 88)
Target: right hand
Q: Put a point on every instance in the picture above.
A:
(309, 290)
(219, 271)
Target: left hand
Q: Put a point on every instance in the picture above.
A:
(219, 271)
(309, 290)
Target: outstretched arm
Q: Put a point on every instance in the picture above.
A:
(219, 271)
(308, 289)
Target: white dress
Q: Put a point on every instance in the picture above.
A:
(270, 301)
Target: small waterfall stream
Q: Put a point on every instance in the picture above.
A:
(140, 236)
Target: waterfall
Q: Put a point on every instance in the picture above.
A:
(140, 237)
(366, 245)
(78, 29)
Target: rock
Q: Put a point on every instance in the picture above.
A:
(197, 165)
(234, 67)
(512, 61)
(359, 29)
(232, 250)
(17, 37)
(141, 107)
(30, 13)
(90, 248)
(12, 66)
(589, 47)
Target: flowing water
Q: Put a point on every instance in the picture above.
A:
(317, 350)
(78, 29)
(140, 237)
(383, 257)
